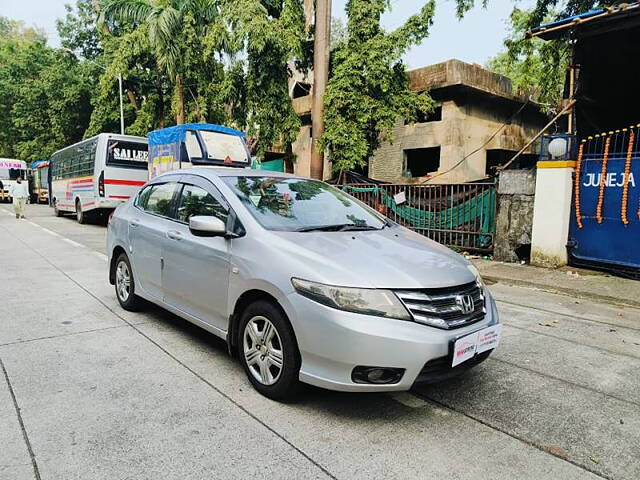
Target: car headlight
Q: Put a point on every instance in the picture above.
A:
(368, 301)
(473, 269)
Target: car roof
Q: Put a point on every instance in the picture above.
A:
(213, 172)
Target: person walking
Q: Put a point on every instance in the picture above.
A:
(19, 191)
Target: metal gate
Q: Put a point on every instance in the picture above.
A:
(605, 222)
(461, 216)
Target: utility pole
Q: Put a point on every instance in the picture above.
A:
(321, 50)
(121, 108)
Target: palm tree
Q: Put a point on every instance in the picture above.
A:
(165, 21)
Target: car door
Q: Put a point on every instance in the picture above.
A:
(148, 226)
(195, 278)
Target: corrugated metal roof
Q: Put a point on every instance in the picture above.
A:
(549, 31)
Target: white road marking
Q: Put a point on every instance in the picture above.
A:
(71, 242)
(50, 232)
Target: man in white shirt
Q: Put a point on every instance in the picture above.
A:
(19, 191)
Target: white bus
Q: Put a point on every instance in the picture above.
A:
(10, 169)
(94, 176)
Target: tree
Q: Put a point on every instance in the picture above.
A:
(44, 95)
(535, 67)
(78, 31)
(273, 37)
(170, 25)
(368, 88)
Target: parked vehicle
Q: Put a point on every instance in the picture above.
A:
(40, 181)
(94, 176)
(10, 170)
(192, 144)
(302, 280)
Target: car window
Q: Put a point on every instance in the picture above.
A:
(197, 201)
(143, 197)
(159, 199)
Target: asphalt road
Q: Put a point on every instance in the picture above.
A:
(90, 391)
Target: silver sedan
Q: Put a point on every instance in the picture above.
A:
(304, 282)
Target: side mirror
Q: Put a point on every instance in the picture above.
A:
(206, 226)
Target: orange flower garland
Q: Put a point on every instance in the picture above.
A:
(603, 179)
(577, 185)
(627, 170)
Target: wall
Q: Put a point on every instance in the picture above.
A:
(516, 194)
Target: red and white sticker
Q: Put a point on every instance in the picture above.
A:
(477, 342)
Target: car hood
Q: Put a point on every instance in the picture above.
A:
(389, 258)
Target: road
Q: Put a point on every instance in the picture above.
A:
(90, 391)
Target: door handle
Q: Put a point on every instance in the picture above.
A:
(174, 235)
(134, 223)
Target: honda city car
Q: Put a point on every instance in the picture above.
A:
(304, 282)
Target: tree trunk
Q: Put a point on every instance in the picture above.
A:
(132, 99)
(179, 99)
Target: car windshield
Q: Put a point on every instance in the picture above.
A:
(298, 204)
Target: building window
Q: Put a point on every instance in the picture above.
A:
(421, 161)
(423, 117)
(301, 89)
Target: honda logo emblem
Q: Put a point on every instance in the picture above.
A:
(465, 303)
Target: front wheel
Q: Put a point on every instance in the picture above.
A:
(56, 210)
(269, 352)
(126, 285)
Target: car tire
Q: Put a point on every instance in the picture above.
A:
(272, 364)
(125, 285)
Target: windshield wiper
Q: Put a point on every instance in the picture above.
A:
(340, 227)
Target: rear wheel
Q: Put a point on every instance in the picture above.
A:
(80, 215)
(125, 285)
(269, 352)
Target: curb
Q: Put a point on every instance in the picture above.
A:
(564, 291)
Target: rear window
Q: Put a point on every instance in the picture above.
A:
(128, 154)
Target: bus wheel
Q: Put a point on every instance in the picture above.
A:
(57, 212)
(80, 215)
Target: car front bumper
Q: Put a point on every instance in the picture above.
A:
(332, 342)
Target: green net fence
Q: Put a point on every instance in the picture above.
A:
(475, 213)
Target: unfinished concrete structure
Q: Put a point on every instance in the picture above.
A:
(472, 104)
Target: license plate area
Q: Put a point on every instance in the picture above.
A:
(467, 347)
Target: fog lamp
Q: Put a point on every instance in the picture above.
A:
(376, 375)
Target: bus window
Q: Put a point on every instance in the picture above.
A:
(127, 154)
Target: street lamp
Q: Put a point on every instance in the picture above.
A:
(68, 50)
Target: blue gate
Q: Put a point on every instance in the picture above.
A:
(605, 221)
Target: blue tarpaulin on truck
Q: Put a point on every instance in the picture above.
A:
(177, 133)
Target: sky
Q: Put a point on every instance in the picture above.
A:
(474, 39)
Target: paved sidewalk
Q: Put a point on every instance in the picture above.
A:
(572, 281)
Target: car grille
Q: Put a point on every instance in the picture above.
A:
(445, 307)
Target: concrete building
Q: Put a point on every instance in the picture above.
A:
(472, 105)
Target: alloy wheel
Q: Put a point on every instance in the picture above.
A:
(123, 281)
(263, 350)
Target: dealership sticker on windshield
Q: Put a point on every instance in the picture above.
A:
(477, 342)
